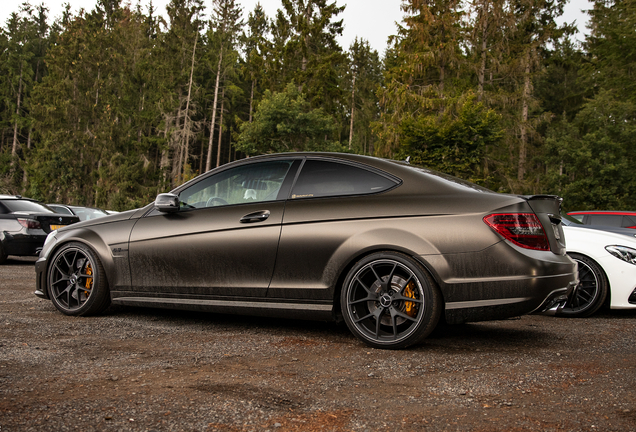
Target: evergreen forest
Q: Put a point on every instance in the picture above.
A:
(111, 106)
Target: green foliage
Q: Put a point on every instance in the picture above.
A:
(592, 157)
(284, 122)
(454, 143)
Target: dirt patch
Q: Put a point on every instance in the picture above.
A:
(138, 369)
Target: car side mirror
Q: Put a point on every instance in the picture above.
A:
(167, 203)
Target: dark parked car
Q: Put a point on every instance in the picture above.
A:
(386, 246)
(84, 213)
(24, 225)
(619, 219)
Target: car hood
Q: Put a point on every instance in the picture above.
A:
(103, 220)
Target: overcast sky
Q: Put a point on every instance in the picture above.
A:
(373, 20)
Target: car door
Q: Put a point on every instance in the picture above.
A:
(222, 241)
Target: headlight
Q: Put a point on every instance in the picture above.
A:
(623, 253)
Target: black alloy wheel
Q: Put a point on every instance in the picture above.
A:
(76, 281)
(389, 301)
(589, 295)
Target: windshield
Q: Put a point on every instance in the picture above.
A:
(569, 220)
(86, 213)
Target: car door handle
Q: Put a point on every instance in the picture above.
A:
(258, 216)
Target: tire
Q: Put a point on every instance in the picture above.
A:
(589, 295)
(389, 301)
(3, 256)
(76, 281)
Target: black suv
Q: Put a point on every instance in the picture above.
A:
(24, 225)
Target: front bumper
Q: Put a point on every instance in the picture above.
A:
(40, 279)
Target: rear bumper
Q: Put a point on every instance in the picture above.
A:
(21, 244)
(503, 281)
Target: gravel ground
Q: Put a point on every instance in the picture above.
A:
(155, 370)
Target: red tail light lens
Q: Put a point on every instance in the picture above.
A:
(523, 229)
(29, 223)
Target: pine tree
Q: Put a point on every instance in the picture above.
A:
(255, 46)
(364, 78)
(226, 24)
(422, 67)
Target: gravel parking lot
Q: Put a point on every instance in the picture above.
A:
(155, 370)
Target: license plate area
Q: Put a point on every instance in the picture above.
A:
(54, 227)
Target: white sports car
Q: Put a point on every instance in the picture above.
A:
(607, 270)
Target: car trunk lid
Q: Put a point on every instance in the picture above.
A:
(548, 210)
(49, 221)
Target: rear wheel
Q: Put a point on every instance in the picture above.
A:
(389, 301)
(76, 281)
(589, 295)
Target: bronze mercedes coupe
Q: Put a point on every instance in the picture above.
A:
(388, 247)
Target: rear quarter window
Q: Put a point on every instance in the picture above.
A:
(319, 178)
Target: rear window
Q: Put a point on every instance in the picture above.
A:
(15, 206)
(319, 178)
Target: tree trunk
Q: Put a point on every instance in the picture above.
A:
(353, 107)
(524, 121)
(218, 153)
(187, 110)
(208, 163)
(165, 159)
(482, 66)
(14, 150)
(252, 99)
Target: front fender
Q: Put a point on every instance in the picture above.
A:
(108, 241)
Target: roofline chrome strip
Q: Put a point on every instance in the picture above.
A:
(482, 303)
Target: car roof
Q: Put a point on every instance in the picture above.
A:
(16, 197)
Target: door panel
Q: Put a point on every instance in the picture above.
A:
(207, 251)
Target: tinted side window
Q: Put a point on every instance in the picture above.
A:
(244, 184)
(628, 221)
(61, 210)
(608, 220)
(323, 178)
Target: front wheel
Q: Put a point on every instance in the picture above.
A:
(76, 281)
(389, 301)
(589, 295)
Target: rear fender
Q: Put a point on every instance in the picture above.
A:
(382, 239)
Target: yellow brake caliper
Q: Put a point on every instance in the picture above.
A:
(410, 307)
(89, 281)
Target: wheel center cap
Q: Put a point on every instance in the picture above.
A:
(385, 300)
(73, 279)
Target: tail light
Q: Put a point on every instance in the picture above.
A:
(29, 223)
(523, 229)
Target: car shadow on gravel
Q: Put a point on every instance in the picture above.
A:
(489, 333)
(181, 317)
(19, 261)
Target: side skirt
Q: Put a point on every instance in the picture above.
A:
(307, 311)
